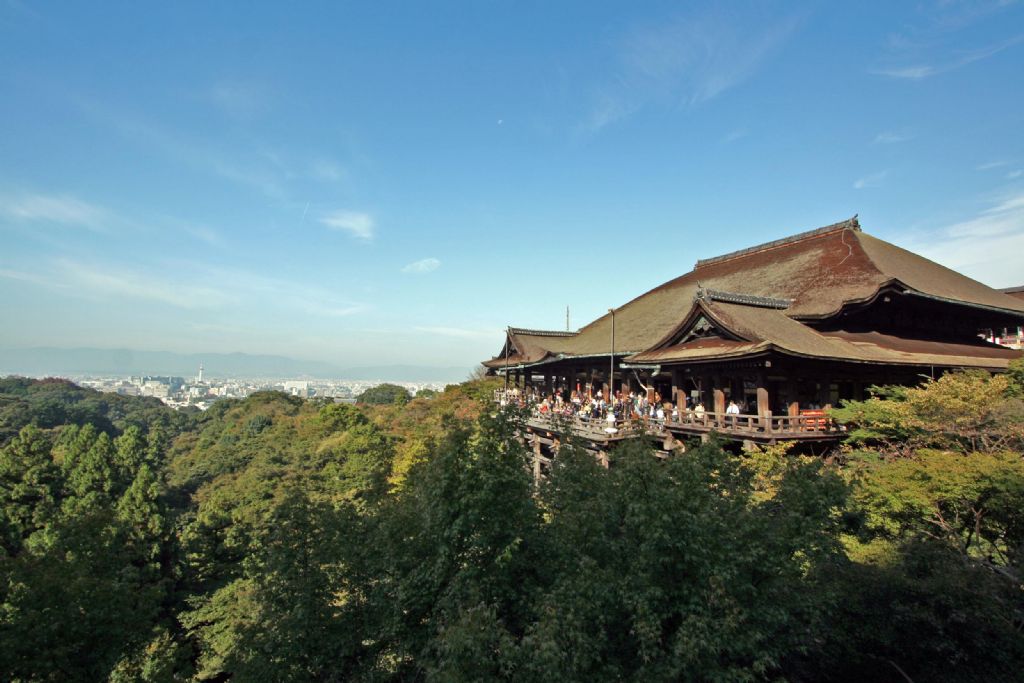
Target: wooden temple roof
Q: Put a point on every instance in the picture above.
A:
(766, 291)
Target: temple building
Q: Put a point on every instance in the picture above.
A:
(782, 328)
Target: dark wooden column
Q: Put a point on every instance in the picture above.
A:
(763, 409)
(547, 383)
(719, 397)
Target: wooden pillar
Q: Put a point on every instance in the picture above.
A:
(764, 411)
(763, 408)
(547, 383)
(719, 400)
(678, 391)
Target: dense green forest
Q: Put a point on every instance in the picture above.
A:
(280, 539)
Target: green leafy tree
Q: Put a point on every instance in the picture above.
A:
(296, 632)
(965, 411)
(384, 394)
(29, 487)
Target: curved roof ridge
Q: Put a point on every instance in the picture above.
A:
(542, 333)
(848, 224)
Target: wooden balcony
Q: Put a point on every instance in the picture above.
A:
(810, 425)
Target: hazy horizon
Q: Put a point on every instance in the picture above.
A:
(85, 361)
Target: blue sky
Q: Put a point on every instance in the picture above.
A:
(383, 182)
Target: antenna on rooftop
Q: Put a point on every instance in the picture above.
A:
(566, 318)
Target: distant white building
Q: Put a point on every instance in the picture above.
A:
(297, 388)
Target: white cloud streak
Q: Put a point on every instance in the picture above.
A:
(890, 138)
(327, 171)
(426, 265)
(960, 59)
(55, 209)
(460, 332)
(870, 180)
(238, 99)
(685, 62)
(262, 173)
(356, 223)
(986, 247)
(120, 282)
(193, 287)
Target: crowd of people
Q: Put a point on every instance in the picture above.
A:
(611, 408)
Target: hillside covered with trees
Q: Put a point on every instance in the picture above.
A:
(281, 539)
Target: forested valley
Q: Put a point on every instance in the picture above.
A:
(282, 539)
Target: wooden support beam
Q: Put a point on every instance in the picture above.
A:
(719, 401)
(762, 404)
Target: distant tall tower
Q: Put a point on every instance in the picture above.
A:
(566, 318)
(199, 379)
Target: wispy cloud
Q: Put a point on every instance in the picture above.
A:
(943, 63)
(426, 265)
(909, 72)
(121, 282)
(210, 237)
(191, 286)
(59, 209)
(988, 166)
(259, 171)
(329, 311)
(685, 61)
(870, 180)
(986, 246)
(327, 171)
(735, 135)
(460, 332)
(239, 99)
(22, 276)
(1013, 175)
(279, 292)
(356, 223)
(890, 138)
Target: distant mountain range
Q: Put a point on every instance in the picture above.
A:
(45, 361)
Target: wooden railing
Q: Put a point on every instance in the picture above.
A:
(808, 423)
(811, 421)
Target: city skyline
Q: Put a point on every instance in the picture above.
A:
(390, 184)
